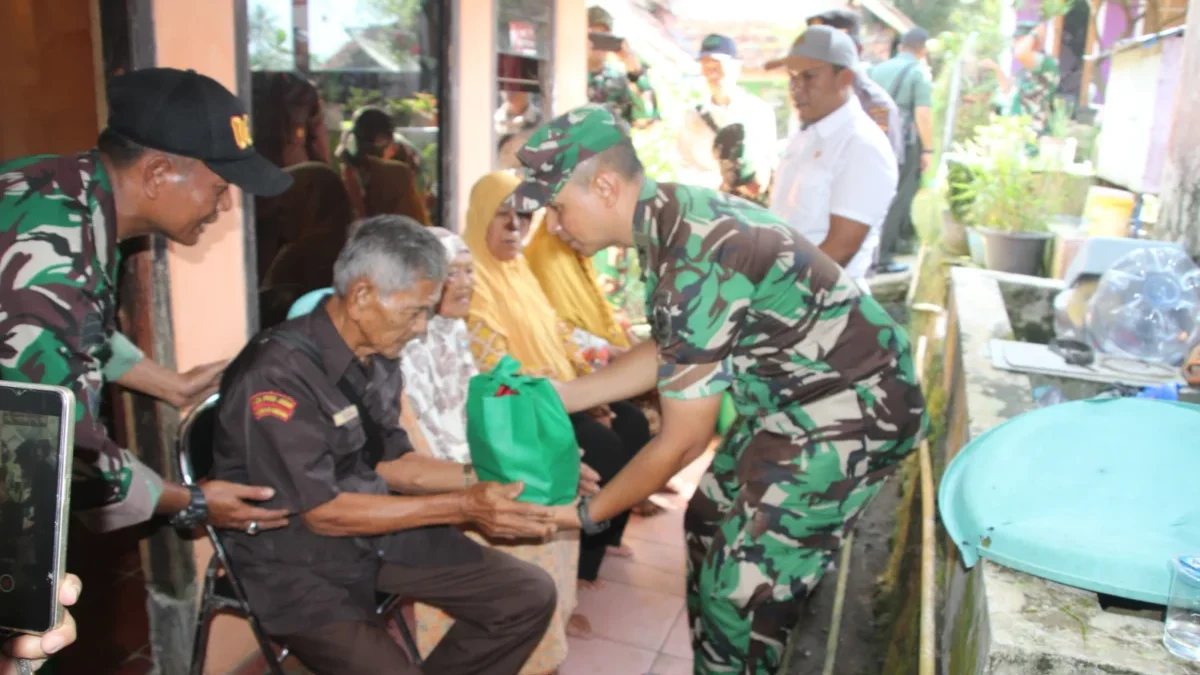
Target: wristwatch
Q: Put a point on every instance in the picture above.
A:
(195, 514)
(585, 518)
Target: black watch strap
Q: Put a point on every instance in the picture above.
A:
(585, 518)
(195, 514)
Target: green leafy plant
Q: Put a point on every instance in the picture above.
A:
(1059, 122)
(1006, 190)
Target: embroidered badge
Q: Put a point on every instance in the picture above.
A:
(345, 415)
(241, 131)
(272, 404)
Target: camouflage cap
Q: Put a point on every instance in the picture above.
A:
(598, 16)
(553, 152)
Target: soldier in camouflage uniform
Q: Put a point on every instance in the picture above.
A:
(822, 378)
(1036, 84)
(175, 142)
(627, 92)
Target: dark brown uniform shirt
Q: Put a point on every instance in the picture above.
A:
(285, 423)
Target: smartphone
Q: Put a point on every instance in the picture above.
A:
(606, 42)
(37, 430)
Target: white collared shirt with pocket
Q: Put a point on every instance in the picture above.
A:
(841, 166)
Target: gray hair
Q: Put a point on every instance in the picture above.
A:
(393, 252)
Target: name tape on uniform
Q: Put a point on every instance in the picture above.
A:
(272, 404)
(345, 415)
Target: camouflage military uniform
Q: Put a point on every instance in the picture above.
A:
(822, 378)
(58, 311)
(1035, 91)
(632, 100)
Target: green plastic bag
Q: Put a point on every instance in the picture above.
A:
(518, 430)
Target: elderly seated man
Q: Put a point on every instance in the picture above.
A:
(311, 409)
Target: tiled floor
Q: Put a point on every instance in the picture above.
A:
(639, 622)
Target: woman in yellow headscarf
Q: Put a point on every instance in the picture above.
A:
(510, 315)
(569, 281)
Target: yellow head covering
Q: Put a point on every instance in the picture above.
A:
(569, 281)
(507, 297)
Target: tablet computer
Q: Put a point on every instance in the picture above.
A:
(37, 424)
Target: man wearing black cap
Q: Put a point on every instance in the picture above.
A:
(905, 79)
(874, 99)
(175, 143)
(726, 104)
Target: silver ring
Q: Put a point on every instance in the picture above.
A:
(252, 528)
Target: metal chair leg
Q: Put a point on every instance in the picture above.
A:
(393, 608)
(267, 649)
(200, 639)
(406, 634)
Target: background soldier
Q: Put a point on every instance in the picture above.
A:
(627, 91)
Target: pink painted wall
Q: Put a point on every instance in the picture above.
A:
(208, 281)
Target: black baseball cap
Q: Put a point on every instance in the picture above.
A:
(192, 115)
(718, 46)
(915, 37)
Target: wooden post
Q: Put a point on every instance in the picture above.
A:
(1179, 219)
(1089, 50)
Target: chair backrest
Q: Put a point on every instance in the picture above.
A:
(197, 432)
(308, 302)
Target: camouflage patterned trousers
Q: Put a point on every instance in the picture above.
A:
(769, 516)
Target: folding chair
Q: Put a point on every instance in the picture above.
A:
(223, 591)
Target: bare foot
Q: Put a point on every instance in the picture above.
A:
(621, 551)
(591, 585)
(578, 626)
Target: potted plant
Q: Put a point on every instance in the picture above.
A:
(1004, 198)
(1057, 146)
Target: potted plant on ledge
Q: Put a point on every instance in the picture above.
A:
(1005, 198)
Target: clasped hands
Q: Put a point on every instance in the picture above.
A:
(493, 508)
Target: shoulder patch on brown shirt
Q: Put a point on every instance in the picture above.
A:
(272, 404)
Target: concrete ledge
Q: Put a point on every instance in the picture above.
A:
(997, 621)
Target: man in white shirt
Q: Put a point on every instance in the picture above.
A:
(838, 174)
(726, 104)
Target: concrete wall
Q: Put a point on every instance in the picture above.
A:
(1180, 216)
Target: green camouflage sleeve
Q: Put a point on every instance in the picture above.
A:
(697, 307)
(52, 332)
